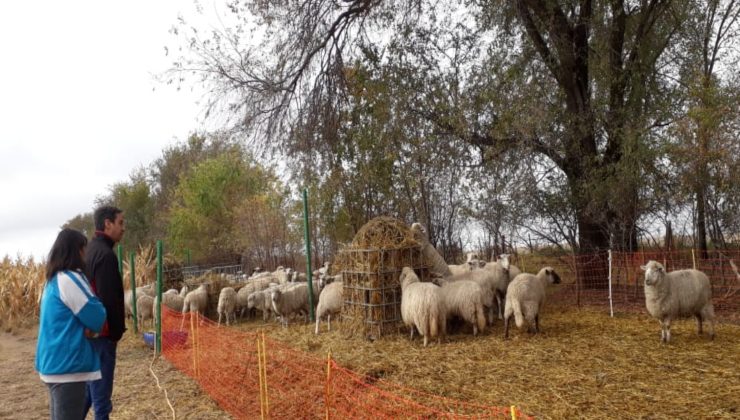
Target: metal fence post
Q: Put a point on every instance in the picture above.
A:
(611, 306)
(307, 238)
(159, 298)
(132, 268)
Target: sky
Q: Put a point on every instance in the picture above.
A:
(80, 108)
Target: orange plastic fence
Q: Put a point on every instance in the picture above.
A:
(250, 376)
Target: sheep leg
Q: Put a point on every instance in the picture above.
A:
(317, 326)
(708, 314)
(537, 324)
(698, 324)
(665, 330)
(425, 341)
(506, 327)
(412, 333)
(219, 318)
(328, 321)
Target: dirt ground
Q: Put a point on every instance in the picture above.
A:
(135, 394)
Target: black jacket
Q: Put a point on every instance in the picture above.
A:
(102, 271)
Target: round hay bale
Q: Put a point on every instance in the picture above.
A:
(384, 232)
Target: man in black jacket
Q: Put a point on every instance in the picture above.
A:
(106, 281)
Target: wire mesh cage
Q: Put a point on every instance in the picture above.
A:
(372, 291)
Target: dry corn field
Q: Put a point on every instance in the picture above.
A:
(21, 284)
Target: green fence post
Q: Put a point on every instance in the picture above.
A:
(158, 348)
(132, 268)
(120, 259)
(307, 238)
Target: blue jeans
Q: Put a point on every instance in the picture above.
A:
(66, 400)
(99, 392)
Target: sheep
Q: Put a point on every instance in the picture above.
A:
(289, 301)
(422, 306)
(195, 301)
(172, 292)
(501, 271)
(226, 304)
(437, 264)
(253, 285)
(262, 301)
(472, 262)
(144, 308)
(680, 293)
(464, 299)
(525, 297)
(184, 291)
(171, 300)
(330, 302)
(128, 297)
(487, 283)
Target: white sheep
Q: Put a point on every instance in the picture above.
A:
(525, 297)
(291, 300)
(487, 282)
(262, 301)
(184, 291)
(501, 271)
(172, 292)
(227, 304)
(253, 285)
(472, 262)
(422, 306)
(195, 301)
(128, 297)
(680, 293)
(172, 301)
(437, 264)
(330, 302)
(144, 308)
(464, 299)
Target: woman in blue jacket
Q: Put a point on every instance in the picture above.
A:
(70, 312)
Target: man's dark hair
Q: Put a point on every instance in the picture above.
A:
(65, 253)
(105, 213)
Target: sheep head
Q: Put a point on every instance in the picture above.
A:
(654, 272)
(407, 277)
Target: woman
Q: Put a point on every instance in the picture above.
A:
(70, 312)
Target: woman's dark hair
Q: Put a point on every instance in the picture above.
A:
(65, 253)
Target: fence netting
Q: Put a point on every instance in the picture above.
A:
(592, 279)
(251, 375)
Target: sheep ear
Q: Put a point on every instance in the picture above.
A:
(643, 267)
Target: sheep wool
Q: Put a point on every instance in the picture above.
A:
(422, 306)
(464, 299)
(227, 304)
(330, 303)
(525, 297)
(681, 293)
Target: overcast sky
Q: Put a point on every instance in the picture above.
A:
(77, 108)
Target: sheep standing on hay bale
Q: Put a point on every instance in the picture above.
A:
(195, 301)
(330, 302)
(438, 266)
(422, 306)
(227, 304)
(525, 297)
(680, 293)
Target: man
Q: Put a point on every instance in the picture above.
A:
(106, 281)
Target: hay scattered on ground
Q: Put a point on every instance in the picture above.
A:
(583, 365)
